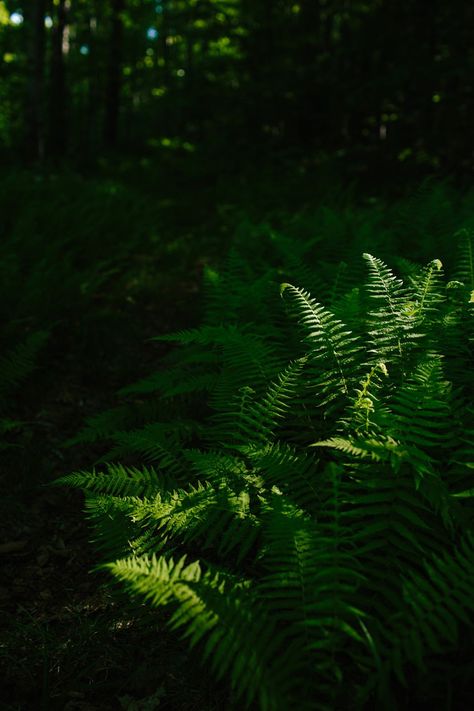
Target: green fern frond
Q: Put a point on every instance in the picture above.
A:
(118, 419)
(115, 532)
(17, 364)
(269, 412)
(256, 420)
(220, 613)
(248, 358)
(203, 336)
(309, 586)
(464, 271)
(367, 414)
(312, 563)
(215, 466)
(429, 291)
(332, 347)
(292, 471)
(348, 308)
(438, 601)
(219, 518)
(422, 408)
(391, 320)
(157, 443)
(173, 381)
(116, 481)
(378, 449)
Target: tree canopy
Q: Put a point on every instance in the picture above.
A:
(373, 80)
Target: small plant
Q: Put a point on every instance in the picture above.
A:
(310, 525)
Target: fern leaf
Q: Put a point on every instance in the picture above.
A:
(16, 365)
(332, 348)
(392, 318)
(116, 481)
(464, 271)
(437, 601)
(220, 613)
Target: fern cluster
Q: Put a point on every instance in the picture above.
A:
(305, 508)
(15, 367)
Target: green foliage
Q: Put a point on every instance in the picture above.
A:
(308, 517)
(241, 78)
(16, 366)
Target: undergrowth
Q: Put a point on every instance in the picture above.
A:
(295, 482)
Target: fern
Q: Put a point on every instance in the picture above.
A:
(116, 481)
(465, 260)
(309, 525)
(17, 364)
(437, 603)
(391, 319)
(332, 350)
(220, 613)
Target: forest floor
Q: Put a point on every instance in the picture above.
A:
(64, 642)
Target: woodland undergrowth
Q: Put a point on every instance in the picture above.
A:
(293, 482)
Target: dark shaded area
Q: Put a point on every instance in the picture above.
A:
(140, 141)
(383, 84)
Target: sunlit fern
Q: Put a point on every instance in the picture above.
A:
(305, 530)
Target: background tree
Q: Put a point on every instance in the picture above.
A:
(34, 113)
(375, 81)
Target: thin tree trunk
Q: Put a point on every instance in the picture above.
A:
(34, 20)
(114, 75)
(58, 111)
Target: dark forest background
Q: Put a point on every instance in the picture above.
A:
(140, 142)
(380, 84)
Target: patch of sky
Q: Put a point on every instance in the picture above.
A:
(152, 33)
(16, 18)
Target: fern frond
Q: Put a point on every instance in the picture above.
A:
(116, 481)
(332, 347)
(438, 601)
(115, 532)
(17, 364)
(292, 471)
(157, 443)
(221, 613)
(378, 449)
(256, 420)
(327, 569)
(173, 382)
(348, 308)
(311, 577)
(391, 320)
(219, 518)
(105, 424)
(429, 291)
(422, 410)
(366, 412)
(464, 271)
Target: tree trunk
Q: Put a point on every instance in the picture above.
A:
(34, 21)
(114, 75)
(58, 111)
